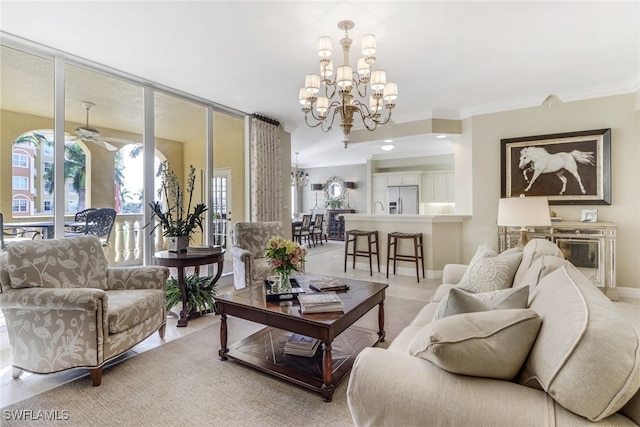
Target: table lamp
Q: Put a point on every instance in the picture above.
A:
(316, 188)
(349, 185)
(524, 212)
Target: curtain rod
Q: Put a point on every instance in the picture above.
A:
(266, 119)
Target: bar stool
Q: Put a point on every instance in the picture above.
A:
(393, 239)
(352, 236)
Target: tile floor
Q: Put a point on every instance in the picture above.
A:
(326, 259)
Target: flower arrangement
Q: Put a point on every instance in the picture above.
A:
(175, 220)
(284, 255)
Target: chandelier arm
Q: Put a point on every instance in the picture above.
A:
(360, 83)
(368, 117)
(329, 84)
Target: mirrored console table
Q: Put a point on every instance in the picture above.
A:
(590, 246)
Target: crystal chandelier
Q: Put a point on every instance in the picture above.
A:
(323, 98)
(299, 178)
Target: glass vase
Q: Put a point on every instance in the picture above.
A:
(285, 284)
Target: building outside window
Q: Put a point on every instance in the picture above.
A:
(46, 166)
(20, 205)
(20, 183)
(20, 160)
(48, 206)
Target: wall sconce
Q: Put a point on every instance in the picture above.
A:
(349, 185)
(316, 188)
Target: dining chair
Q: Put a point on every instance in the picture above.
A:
(98, 223)
(304, 230)
(15, 234)
(317, 231)
(81, 216)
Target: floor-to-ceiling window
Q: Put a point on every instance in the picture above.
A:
(106, 116)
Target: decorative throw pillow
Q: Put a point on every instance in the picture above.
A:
(459, 301)
(490, 344)
(488, 271)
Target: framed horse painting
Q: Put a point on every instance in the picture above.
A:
(571, 168)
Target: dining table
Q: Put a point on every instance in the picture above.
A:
(47, 228)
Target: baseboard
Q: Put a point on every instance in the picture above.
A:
(628, 292)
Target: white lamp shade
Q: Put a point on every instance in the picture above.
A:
(322, 105)
(378, 80)
(390, 92)
(524, 212)
(345, 76)
(326, 70)
(363, 67)
(312, 83)
(303, 96)
(324, 46)
(368, 44)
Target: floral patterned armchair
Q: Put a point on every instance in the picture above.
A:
(65, 308)
(249, 242)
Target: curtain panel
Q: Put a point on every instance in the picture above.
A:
(266, 171)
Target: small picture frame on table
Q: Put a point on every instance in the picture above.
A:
(589, 215)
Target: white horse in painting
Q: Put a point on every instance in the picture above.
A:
(540, 161)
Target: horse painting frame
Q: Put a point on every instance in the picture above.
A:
(572, 168)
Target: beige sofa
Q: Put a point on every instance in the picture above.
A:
(65, 308)
(569, 357)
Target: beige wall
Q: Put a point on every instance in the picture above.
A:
(478, 179)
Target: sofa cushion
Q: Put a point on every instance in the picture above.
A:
(492, 344)
(128, 308)
(531, 252)
(459, 301)
(587, 354)
(488, 271)
(541, 267)
(77, 262)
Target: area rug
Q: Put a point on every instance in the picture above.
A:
(184, 383)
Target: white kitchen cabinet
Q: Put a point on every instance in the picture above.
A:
(438, 187)
(403, 179)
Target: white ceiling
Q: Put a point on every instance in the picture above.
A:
(450, 59)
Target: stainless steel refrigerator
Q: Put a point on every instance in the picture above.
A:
(403, 199)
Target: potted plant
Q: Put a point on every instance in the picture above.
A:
(178, 223)
(200, 293)
(333, 203)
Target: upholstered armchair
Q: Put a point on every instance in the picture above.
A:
(249, 242)
(65, 308)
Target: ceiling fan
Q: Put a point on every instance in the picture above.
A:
(90, 134)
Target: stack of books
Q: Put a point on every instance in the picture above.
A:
(301, 345)
(206, 249)
(327, 284)
(320, 302)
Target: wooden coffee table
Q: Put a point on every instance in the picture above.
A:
(341, 341)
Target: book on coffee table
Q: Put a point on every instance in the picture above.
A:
(320, 302)
(328, 284)
(301, 345)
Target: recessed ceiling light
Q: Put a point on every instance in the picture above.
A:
(441, 136)
(388, 147)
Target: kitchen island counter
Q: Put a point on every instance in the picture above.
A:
(442, 236)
